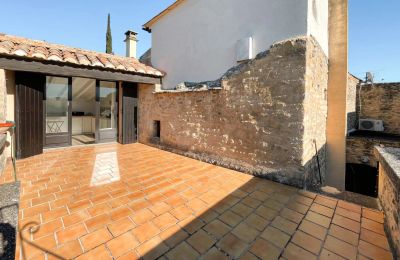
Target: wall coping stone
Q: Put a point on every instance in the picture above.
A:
(189, 87)
(389, 157)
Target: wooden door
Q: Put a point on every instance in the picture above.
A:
(129, 113)
(29, 113)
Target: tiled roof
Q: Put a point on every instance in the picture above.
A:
(40, 50)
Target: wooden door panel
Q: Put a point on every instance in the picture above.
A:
(129, 113)
(29, 114)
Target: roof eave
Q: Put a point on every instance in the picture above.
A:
(15, 63)
(147, 26)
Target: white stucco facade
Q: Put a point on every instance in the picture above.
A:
(196, 41)
(317, 24)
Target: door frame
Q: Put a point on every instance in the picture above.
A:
(57, 140)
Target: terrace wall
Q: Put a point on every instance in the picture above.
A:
(262, 117)
(389, 192)
(380, 101)
(360, 149)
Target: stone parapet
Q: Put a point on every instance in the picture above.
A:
(389, 192)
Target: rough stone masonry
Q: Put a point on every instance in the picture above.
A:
(266, 117)
(389, 192)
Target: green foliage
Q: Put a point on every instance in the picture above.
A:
(109, 37)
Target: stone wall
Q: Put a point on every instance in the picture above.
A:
(381, 101)
(352, 84)
(389, 192)
(262, 120)
(315, 113)
(3, 114)
(360, 149)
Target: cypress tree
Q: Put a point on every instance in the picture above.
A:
(108, 37)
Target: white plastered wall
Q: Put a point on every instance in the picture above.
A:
(196, 41)
(318, 18)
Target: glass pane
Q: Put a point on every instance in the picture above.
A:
(108, 108)
(56, 105)
(83, 106)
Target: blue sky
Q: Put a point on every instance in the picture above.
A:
(374, 27)
(374, 38)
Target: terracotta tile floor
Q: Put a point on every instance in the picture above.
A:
(126, 202)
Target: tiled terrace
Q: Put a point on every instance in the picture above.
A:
(126, 202)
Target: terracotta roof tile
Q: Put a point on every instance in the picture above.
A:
(83, 60)
(70, 57)
(55, 55)
(20, 49)
(40, 50)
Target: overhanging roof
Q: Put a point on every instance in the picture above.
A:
(16, 52)
(147, 26)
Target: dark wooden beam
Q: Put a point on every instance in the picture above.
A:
(57, 69)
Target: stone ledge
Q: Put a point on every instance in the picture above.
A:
(192, 87)
(389, 157)
(389, 192)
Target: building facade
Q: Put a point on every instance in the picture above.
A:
(245, 86)
(194, 41)
(60, 96)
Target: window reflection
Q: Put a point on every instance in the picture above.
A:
(108, 108)
(56, 105)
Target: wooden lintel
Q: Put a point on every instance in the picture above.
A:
(51, 68)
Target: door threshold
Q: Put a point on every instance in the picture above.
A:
(76, 146)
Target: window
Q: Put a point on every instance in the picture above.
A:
(108, 105)
(56, 105)
(157, 129)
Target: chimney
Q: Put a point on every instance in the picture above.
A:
(131, 44)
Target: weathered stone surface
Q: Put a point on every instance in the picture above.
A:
(315, 116)
(352, 84)
(263, 120)
(360, 149)
(381, 101)
(389, 192)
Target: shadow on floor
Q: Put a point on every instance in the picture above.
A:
(8, 241)
(28, 229)
(236, 226)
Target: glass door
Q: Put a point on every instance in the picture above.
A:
(57, 112)
(107, 111)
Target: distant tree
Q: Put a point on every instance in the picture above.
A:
(108, 37)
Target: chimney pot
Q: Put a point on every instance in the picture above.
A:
(131, 44)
